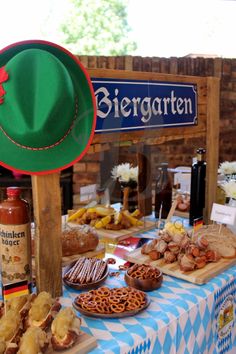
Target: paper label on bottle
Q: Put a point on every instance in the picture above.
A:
(223, 214)
(15, 252)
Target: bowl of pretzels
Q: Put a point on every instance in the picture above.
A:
(143, 277)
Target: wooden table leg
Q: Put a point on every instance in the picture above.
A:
(47, 217)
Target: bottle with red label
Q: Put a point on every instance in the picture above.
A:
(163, 192)
(15, 243)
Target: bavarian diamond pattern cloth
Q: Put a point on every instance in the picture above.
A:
(182, 318)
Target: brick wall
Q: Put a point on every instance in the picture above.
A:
(98, 161)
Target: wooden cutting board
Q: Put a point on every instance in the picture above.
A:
(99, 252)
(118, 235)
(84, 344)
(198, 276)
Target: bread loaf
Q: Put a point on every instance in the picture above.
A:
(79, 240)
(220, 238)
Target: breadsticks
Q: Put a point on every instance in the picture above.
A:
(85, 271)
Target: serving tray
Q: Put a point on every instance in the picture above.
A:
(111, 315)
(198, 276)
(84, 344)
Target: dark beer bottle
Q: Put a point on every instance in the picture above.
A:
(163, 192)
(197, 189)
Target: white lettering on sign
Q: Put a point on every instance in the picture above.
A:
(223, 214)
(148, 106)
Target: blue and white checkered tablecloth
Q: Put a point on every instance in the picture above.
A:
(181, 318)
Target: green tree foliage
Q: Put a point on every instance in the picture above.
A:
(98, 27)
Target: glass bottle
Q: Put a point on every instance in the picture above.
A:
(197, 189)
(15, 239)
(163, 192)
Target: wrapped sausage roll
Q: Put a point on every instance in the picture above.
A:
(2, 346)
(42, 311)
(21, 304)
(33, 341)
(10, 331)
(65, 329)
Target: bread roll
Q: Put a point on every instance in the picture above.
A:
(79, 240)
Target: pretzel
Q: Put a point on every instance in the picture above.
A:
(136, 274)
(123, 267)
(121, 292)
(101, 308)
(98, 299)
(84, 297)
(114, 274)
(143, 272)
(133, 304)
(103, 291)
(89, 306)
(107, 309)
(113, 299)
(139, 295)
(117, 308)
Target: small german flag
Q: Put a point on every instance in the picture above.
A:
(197, 224)
(12, 290)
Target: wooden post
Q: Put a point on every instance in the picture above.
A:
(212, 143)
(47, 216)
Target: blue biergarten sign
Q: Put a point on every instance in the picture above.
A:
(128, 105)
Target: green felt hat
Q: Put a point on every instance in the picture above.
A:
(47, 108)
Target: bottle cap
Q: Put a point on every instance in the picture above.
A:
(162, 165)
(201, 151)
(13, 191)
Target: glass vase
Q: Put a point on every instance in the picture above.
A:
(232, 203)
(129, 196)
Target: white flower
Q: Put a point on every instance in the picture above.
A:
(227, 168)
(230, 189)
(125, 173)
(134, 173)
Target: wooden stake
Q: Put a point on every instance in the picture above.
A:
(172, 210)
(47, 216)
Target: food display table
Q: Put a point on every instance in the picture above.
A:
(181, 318)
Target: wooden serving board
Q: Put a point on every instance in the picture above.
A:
(99, 252)
(198, 276)
(84, 344)
(118, 235)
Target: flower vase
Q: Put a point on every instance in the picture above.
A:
(232, 203)
(129, 195)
